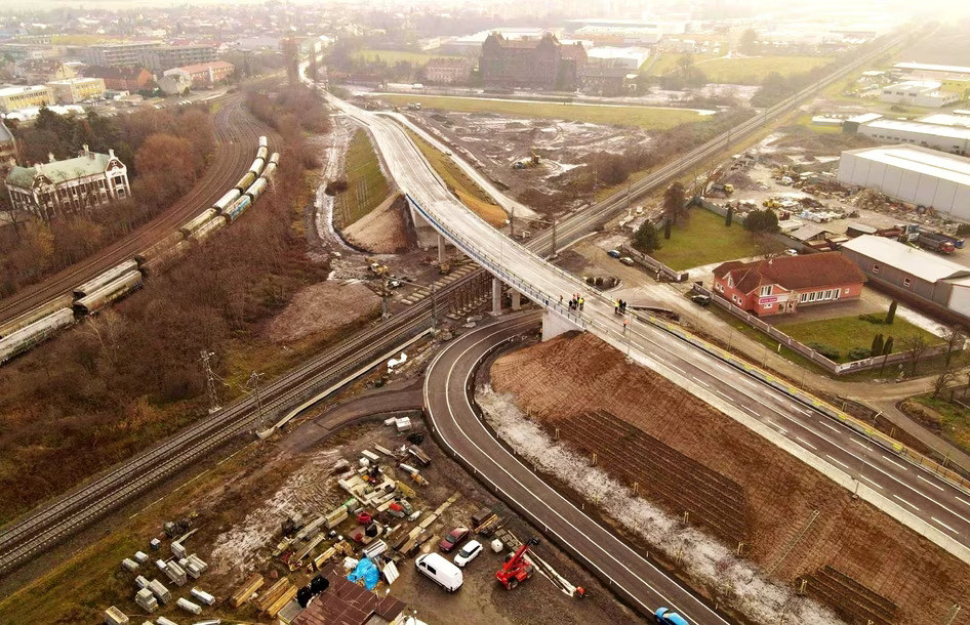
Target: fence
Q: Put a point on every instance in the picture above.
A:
(655, 265)
(806, 351)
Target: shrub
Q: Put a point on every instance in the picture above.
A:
(873, 318)
(336, 186)
(858, 353)
(826, 350)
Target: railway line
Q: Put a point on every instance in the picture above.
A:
(236, 131)
(54, 521)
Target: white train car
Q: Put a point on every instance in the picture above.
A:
(108, 276)
(231, 196)
(257, 189)
(198, 221)
(270, 170)
(24, 320)
(159, 248)
(216, 223)
(110, 292)
(263, 142)
(38, 331)
(262, 152)
(257, 167)
(154, 265)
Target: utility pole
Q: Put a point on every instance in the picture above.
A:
(210, 381)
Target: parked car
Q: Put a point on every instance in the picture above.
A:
(614, 254)
(701, 300)
(453, 539)
(469, 552)
(626, 260)
(665, 616)
(440, 571)
(790, 252)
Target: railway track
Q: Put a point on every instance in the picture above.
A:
(52, 522)
(236, 135)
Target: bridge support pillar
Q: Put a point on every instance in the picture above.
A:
(553, 325)
(441, 250)
(516, 300)
(496, 296)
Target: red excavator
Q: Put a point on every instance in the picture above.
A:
(517, 567)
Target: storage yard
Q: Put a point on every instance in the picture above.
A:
(744, 491)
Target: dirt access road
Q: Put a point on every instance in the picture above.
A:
(237, 134)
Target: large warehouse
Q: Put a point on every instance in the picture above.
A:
(913, 174)
(952, 139)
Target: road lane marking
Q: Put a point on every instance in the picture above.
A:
(836, 461)
(945, 525)
(702, 383)
(676, 368)
(905, 502)
(805, 442)
(722, 395)
(963, 501)
(871, 482)
(931, 483)
(861, 444)
(895, 463)
(831, 427)
(750, 411)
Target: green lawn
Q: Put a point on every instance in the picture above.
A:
(641, 116)
(705, 240)
(846, 333)
(394, 56)
(667, 63)
(741, 70)
(951, 421)
(366, 185)
(806, 121)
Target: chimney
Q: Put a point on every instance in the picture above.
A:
(50, 157)
(111, 152)
(86, 148)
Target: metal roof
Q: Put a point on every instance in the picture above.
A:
(16, 90)
(918, 159)
(930, 67)
(946, 119)
(60, 171)
(916, 262)
(952, 132)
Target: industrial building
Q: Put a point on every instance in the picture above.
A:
(904, 270)
(447, 71)
(947, 119)
(619, 35)
(76, 90)
(69, 186)
(954, 140)
(926, 93)
(911, 174)
(630, 59)
(16, 98)
(544, 63)
(931, 71)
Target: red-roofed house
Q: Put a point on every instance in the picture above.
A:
(781, 285)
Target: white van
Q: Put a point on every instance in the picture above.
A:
(442, 572)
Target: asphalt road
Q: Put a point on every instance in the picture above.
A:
(448, 382)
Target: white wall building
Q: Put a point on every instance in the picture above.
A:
(931, 71)
(627, 58)
(912, 174)
(952, 139)
(918, 93)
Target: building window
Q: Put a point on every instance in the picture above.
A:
(766, 290)
(875, 269)
(767, 306)
(803, 297)
(907, 282)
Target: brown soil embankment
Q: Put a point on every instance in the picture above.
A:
(860, 561)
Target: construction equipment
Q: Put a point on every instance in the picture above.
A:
(517, 567)
(400, 508)
(376, 268)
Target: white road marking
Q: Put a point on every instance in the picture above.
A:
(805, 442)
(933, 484)
(837, 461)
(905, 502)
(722, 395)
(831, 427)
(702, 383)
(963, 501)
(888, 459)
(945, 525)
(871, 482)
(861, 444)
(676, 368)
(749, 411)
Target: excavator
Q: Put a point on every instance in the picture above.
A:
(517, 567)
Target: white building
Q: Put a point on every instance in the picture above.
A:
(931, 71)
(69, 186)
(627, 58)
(912, 174)
(918, 93)
(952, 139)
(619, 36)
(947, 119)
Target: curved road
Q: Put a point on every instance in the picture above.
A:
(448, 383)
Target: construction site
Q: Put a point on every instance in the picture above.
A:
(748, 500)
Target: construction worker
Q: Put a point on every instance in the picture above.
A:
(580, 592)
(581, 302)
(625, 321)
(616, 307)
(560, 300)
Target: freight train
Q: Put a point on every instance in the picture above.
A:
(21, 334)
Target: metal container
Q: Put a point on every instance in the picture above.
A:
(37, 332)
(108, 276)
(108, 293)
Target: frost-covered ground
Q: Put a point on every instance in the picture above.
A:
(736, 582)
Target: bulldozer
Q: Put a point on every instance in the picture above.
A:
(376, 268)
(517, 567)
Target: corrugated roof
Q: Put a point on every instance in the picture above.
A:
(812, 271)
(60, 171)
(930, 67)
(921, 264)
(926, 129)
(945, 119)
(15, 90)
(919, 159)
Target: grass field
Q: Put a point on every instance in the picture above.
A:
(643, 117)
(705, 240)
(392, 57)
(366, 185)
(846, 333)
(951, 420)
(667, 63)
(741, 70)
(806, 120)
(471, 195)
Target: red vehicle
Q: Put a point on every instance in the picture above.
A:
(517, 567)
(453, 539)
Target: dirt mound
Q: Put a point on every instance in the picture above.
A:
(560, 381)
(325, 306)
(384, 230)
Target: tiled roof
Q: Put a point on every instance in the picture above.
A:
(97, 71)
(204, 67)
(793, 272)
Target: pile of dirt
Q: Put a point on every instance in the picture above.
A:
(384, 230)
(561, 380)
(325, 306)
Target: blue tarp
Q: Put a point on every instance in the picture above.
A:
(367, 571)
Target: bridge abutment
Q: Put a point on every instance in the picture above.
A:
(553, 325)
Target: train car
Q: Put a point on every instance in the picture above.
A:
(210, 226)
(24, 320)
(262, 152)
(108, 276)
(108, 293)
(275, 158)
(198, 221)
(244, 182)
(40, 330)
(263, 142)
(238, 207)
(159, 248)
(154, 265)
(257, 189)
(270, 170)
(231, 196)
(257, 166)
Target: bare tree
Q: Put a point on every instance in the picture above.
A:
(915, 348)
(768, 246)
(943, 380)
(955, 341)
